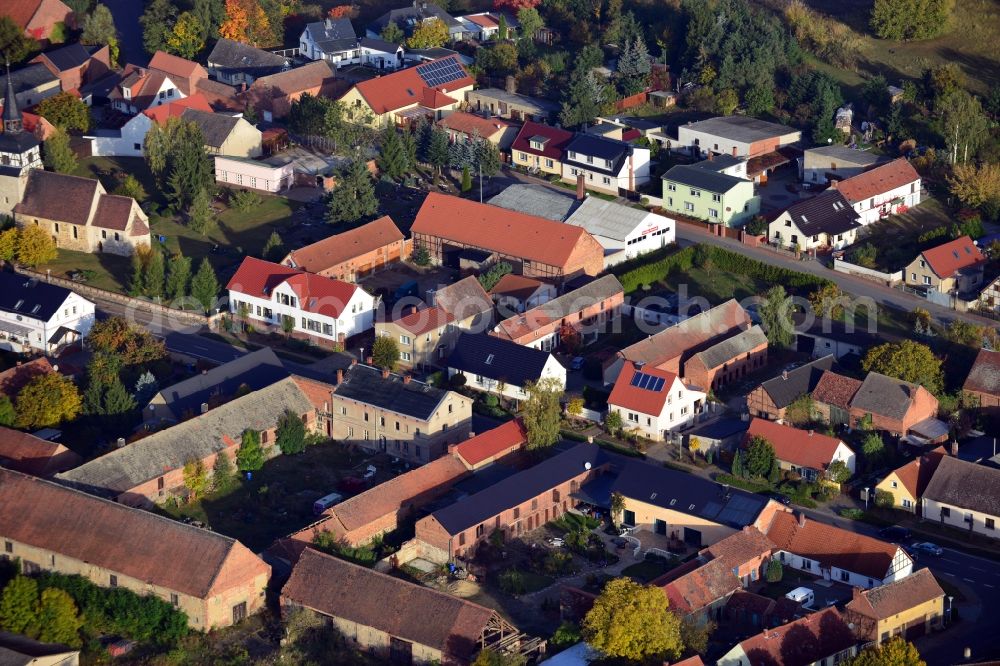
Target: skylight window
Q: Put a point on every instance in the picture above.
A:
(20, 302)
(489, 360)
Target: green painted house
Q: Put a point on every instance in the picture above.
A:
(701, 192)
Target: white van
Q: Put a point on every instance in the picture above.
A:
(324, 503)
(802, 595)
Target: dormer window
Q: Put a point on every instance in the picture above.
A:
(127, 93)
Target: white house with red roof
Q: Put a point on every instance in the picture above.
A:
(653, 402)
(883, 191)
(955, 267)
(804, 452)
(127, 141)
(321, 310)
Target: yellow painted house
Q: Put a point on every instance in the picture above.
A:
(907, 483)
(432, 90)
(910, 607)
(539, 148)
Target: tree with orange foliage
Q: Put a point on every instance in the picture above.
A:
(515, 6)
(246, 22)
(342, 11)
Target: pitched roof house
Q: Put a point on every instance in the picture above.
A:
(40, 317)
(408, 17)
(624, 232)
(273, 94)
(540, 147)
(465, 127)
(604, 164)
(584, 312)
(984, 380)
(330, 39)
(963, 495)
(516, 293)
(488, 447)
(803, 452)
(77, 65)
(818, 638)
(128, 140)
(771, 399)
(489, 364)
(844, 556)
(428, 90)
(26, 453)
(534, 246)
(671, 347)
(882, 191)
(912, 607)
(953, 267)
(37, 18)
(727, 360)
(225, 134)
(832, 396)
(352, 254)
(13, 379)
(147, 470)
(213, 578)
(654, 402)
(355, 600)
(80, 215)
(907, 484)
(826, 221)
(236, 63)
(895, 406)
(701, 591)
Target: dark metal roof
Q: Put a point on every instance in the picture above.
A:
(826, 213)
(705, 179)
(28, 78)
(833, 329)
(718, 162)
(245, 58)
(789, 385)
(599, 147)
(333, 34)
(365, 384)
(690, 494)
(720, 429)
(379, 45)
(68, 57)
(215, 127)
(519, 488)
(489, 356)
(30, 298)
(254, 370)
(407, 17)
(965, 485)
(17, 142)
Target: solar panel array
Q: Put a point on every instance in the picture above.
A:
(648, 382)
(739, 511)
(440, 72)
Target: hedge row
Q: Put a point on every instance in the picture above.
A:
(743, 484)
(120, 611)
(640, 271)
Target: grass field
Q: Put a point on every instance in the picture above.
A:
(237, 234)
(972, 43)
(896, 237)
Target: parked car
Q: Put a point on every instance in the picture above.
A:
(576, 363)
(928, 548)
(778, 497)
(895, 533)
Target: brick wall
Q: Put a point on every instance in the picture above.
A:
(715, 378)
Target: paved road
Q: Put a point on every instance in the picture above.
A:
(127, 13)
(881, 294)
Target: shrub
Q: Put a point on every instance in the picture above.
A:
(457, 381)
(775, 571)
(512, 582)
(641, 271)
(852, 513)
(884, 499)
(244, 200)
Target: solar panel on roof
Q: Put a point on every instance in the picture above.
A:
(440, 72)
(648, 382)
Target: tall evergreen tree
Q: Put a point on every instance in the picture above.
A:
(190, 168)
(137, 282)
(585, 98)
(205, 285)
(487, 158)
(155, 274)
(437, 148)
(274, 248)
(354, 196)
(250, 457)
(178, 276)
(408, 140)
(157, 22)
(392, 159)
(58, 154)
(200, 216)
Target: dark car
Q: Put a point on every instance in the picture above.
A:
(895, 533)
(928, 548)
(778, 497)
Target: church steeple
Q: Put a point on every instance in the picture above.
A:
(11, 116)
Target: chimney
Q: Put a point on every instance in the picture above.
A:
(407, 379)
(784, 374)
(370, 360)
(18, 364)
(354, 362)
(855, 593)
(833, 184)
(510, 85)
(711, 156)
(810, 432)
(581, 191)
(204, 407)
(954, 449)
(802, 519)
(385, 373)
(340, 376)
(120, 443)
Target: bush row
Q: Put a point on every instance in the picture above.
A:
(640, 271)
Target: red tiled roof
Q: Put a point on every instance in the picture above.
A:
(406, 88)
(317, 294)
(508, 232)
(395, 494)
(424, 321)
(136, 543)
(722, 321)
(492, 443)
(947, 259)
(483, 20)
(557, 140)
(160, 114)
(469, 123)
(31, 455)
(340, 248)
(832, 546)
(637, 399)
(740, 548)
(984, 377)
(313, 75)
(801, 642)
(13, 379)
(139, 228)
(703, 586)
(113, 212)
(414, 613)
(21, 11)
(58, 196)
(836, 390)
(802, 448)
(916, 474)
(175, 65)
(878, 181)
(886, 601)
(516, 286)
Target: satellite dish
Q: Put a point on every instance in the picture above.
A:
(586, 465)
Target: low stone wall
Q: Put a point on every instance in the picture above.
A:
(842, 266)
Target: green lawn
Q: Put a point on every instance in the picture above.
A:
(716, 286)
(278, 501)
(897, 237)
(648, 570)
(237, 235)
